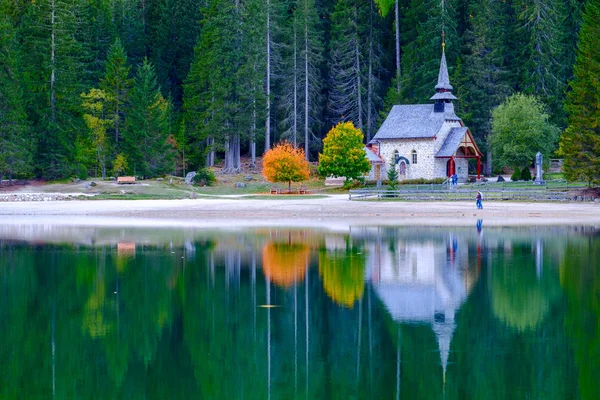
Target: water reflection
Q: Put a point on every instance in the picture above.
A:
(370, 312)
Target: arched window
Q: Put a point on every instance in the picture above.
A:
(414, 156)
(396, 156)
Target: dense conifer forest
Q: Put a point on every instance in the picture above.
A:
(148, 87)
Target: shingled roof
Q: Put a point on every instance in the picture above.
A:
(372, 157)
(414, 121)
(443, 79)
(452, 142)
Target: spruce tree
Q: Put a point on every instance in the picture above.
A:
(345, 69)
(211, 97)
(483, 79)
(116, 84)
(580, 143)
(147, 127)
(15, 140)
(541, 71)
(435, 20)
(174, 29)
(52, 72)
(96, 32)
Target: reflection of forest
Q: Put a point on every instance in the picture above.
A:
(372, 313)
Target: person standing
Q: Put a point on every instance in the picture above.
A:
(479, 200)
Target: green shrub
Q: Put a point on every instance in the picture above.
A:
(526, 174)
(204, 177)
(516, 176)
(392, 176)
(422, 181)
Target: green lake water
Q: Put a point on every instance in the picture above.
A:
(297, 313)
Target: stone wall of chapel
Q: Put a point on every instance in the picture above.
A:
(462, 169)
(425, 166)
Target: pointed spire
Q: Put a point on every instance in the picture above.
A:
(443, 79)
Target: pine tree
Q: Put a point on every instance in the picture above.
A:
(345, 69)
(173, 33)
(15, 143)
(116, 84)
(211, 97)
(541, 70)
(52, 74)
(483, 80)
(580, 143)
(130, 18)
(96, 32)
(311, 81)
(251, 74)
(147, 126)
(424, 46)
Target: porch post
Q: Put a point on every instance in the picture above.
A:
(478, 167)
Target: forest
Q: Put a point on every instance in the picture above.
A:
(151, 87)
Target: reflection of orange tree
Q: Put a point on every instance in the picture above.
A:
(285, 263)
(343, 275)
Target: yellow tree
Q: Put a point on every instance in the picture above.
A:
(93, 103)
(285, 163)
(343, 153)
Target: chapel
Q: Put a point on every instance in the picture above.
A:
(425, 140)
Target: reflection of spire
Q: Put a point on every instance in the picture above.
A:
(444, 331)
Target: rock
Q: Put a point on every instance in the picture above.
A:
(500, 179)
(160, 179)
(240, 185)
(171, 181)
(122, 191)
(92, 184)
(189, 177)
(76, 180)
(249, 178)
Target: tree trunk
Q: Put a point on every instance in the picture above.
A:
(358, 80)
(52, 64)
(295, 124)
(268, 83)
(398, 70)
(306, 75)
(370, 78)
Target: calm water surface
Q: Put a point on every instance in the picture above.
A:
(366, 312)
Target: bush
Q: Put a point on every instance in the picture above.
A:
(422, 181)
(526, 174)
(204, 177)
(516, 176)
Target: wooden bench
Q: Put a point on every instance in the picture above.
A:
(302, 190)
(126, 179)
(274, 190)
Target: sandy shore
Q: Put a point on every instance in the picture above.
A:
(318, 211)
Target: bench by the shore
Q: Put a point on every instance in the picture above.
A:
(125, 179)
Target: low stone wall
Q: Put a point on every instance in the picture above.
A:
(36, 197)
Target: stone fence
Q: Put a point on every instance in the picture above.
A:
(38, 196)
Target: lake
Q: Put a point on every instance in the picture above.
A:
(298, 313)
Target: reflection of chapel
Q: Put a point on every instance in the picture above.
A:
(425, 140)
(423, 282)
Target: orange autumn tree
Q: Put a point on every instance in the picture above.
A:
(285, 163)
(285, 263)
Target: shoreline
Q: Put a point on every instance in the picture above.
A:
(236, 211)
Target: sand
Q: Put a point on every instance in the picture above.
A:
(233, 211)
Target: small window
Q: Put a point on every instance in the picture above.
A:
(414, 156)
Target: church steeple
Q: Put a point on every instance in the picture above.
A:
(443, 79)
(443, 89)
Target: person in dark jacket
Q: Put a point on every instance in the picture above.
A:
(479, 200)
